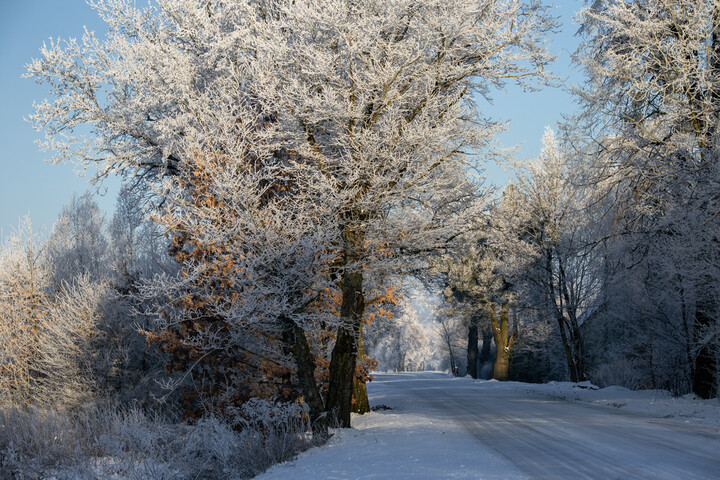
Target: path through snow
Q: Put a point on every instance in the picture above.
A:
(443, 427)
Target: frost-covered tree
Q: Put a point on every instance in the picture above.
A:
(465, 299)
(652, 82)
(478, 293)
(381, 106)
(548, 233)
(137, 251)
(77, 244)
(24, 291)
(400, 343)
(137, 246)
(254, 239)
(462, 295)
(376, 95)
(651, 105)
(451, 332)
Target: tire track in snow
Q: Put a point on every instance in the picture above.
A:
(550, 439)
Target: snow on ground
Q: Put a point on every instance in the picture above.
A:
(660, 403)
(407, 442)
(441, 427)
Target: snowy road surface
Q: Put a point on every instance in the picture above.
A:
(442, 427)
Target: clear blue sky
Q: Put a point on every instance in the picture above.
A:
(29, 185)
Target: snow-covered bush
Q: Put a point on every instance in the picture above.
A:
(72, 353)
(128, 442)
(284, 429)
(622, 372)
(24, 280)
(33, 440)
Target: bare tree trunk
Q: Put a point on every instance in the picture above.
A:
(453, 365)
(344, 355)
(576, 343)
(342, 369)
(360, 401)
(689, 337)
(485, 355)
(578, 351)
(448, 342)
(562, 324)
(503, 340)
(296, 341)
(704, 378)
(472, 349)
(569, 329)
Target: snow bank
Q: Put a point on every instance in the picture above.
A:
(660, 403)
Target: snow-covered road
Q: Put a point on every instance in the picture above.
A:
(442, 427)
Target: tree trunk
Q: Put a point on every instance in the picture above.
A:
(704, 378)
(296, 341)
(503, 341)
(574, 339)
(569, 331)
(485, 355)
(360, 401)
(562, 324)
(501, 367)
(448, 342)
(689, 336)
(578, 351)
(344, 355)
(472, 349)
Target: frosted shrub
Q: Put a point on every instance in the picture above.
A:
(134, 433)
(621, 372)
(23, 301)
(33, 440)
(133, 444)
(214, 450)
(270, 415)
(272, 432)
(71, 345)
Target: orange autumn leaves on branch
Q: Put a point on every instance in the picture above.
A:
(378, 309)
(253, 260)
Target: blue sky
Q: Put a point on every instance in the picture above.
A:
(30, 185)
